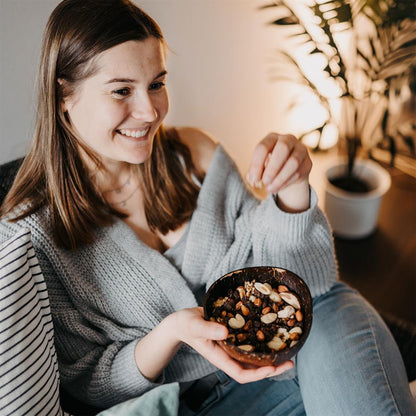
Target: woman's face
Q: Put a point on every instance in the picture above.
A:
(118, 109)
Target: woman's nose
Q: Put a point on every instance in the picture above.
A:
(143, 109)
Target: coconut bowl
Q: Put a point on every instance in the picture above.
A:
(276, 277)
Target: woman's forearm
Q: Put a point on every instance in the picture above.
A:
(154, 351)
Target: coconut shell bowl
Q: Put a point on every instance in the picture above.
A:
(267, 311)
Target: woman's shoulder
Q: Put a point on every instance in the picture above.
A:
(201, 144)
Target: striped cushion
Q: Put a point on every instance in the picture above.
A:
(29, 378)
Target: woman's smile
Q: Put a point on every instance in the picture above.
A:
(134, 133)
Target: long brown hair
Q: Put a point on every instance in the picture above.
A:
(53, 173)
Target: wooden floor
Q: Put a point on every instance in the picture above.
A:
(383, 266)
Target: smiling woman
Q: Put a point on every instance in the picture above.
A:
(100, 110)
(132, 222)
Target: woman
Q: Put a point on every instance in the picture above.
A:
(132, 222)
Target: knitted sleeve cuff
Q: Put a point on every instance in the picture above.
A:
(290, 226)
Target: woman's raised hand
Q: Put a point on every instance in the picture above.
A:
(201, 335)
(282, 164)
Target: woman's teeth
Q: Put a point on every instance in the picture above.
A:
(133, 133)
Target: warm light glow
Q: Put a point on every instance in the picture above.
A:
(329, 136)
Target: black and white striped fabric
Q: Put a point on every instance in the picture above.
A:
(29, 378)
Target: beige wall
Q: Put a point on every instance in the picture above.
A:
(218, 69)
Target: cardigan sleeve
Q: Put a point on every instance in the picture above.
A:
(94, 366)
(232, 229)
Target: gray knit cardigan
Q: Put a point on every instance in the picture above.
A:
(106, 296)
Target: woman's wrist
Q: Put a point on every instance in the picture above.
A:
(295, 198)
(154, 351)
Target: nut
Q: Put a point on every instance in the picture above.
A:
(260, 316)
(245, 310)
(237, 322)
(219, 302)
(246, 347)
(283, 334)
(296, 330)
(241, 292)
(290, 299)
(286, 312)
(282, 288)
(276, 344)
(275, 297)
(291, 322)
(265, 310)
(257, 302)
(242, 337)
(262, 288)
(248, 325)
(260, 335)
(269, 318)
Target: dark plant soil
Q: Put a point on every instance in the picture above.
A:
(350, 184)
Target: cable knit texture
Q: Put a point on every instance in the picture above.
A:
(106, 296)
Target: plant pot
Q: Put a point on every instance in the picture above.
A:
(354, 215)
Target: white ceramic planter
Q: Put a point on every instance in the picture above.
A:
(354, 215)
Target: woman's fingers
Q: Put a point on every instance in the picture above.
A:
(201, 336)
(283, 162)
(296, 167)
(192, 326)
(278, 160)
(260, 159)
(236, 370)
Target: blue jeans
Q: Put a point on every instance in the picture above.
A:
(350, 365)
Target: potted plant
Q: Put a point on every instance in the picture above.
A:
(367, 56)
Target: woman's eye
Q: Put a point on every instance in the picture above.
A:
(156, 85)
(123, 92)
